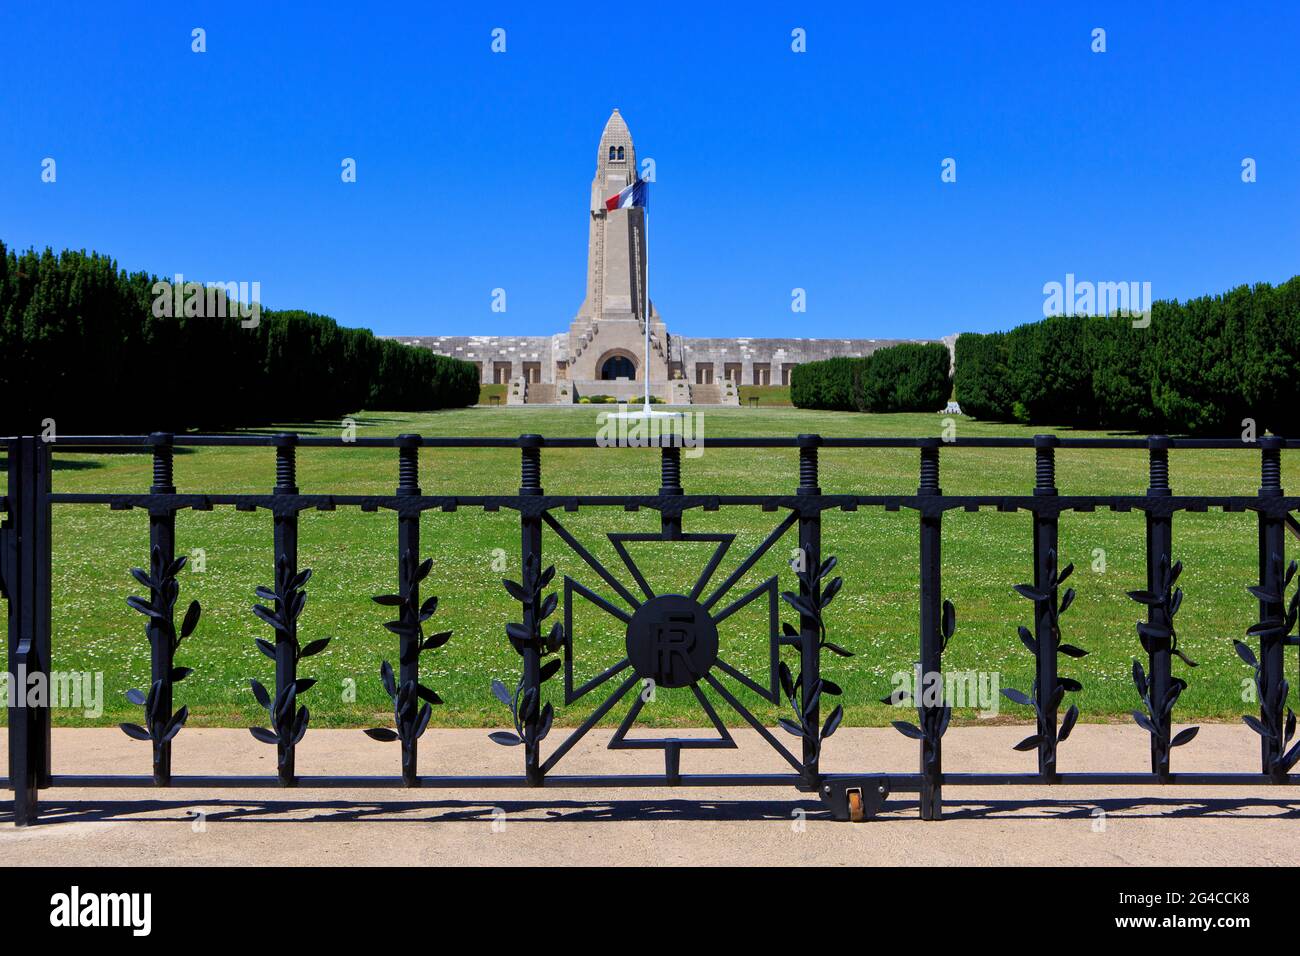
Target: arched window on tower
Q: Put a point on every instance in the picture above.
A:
(620, 152)
(611, 152)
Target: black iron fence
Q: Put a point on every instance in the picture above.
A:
(672, 639)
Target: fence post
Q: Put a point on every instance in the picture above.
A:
(1159, 551)
(670, 484)
(810, 545)
(19, 731)
(286, 550)
(530, 547)
(931, 637)
(408, 560)
(1045, 546)
(27, 570)
(1272, 553)
(162, 538)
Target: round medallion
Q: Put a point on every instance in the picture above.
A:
(672, 641)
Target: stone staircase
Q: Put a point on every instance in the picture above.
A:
(522, 392)
(540, 393)
(679, 392)
(725, 393)
(706, 395)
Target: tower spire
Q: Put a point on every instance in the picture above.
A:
(612, 319)
(616, 150)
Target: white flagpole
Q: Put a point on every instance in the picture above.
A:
(646, 243)
(645, 411)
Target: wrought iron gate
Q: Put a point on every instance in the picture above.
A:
(671, 639)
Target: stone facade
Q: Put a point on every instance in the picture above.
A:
(760, 361)
(500, 358)
(603, 351)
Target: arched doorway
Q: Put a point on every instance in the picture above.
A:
(617, 366)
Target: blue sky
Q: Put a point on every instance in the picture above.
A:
(775, 170)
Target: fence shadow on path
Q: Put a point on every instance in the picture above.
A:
(229, 810)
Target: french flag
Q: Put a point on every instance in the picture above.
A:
(638, 194)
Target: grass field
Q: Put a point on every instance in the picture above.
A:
(773, 395)
(353, 557)
(492, 394)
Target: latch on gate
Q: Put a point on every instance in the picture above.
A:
(855, 798)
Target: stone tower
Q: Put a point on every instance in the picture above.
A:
(609, 324)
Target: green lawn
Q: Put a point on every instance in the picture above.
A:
(776, 395)
(353, 555)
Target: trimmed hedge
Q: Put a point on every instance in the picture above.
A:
(81, 345)
(981, 380)
(1049, 373)
(1200, 367)
(827, 384)
(1119, 362)
(910, 377)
